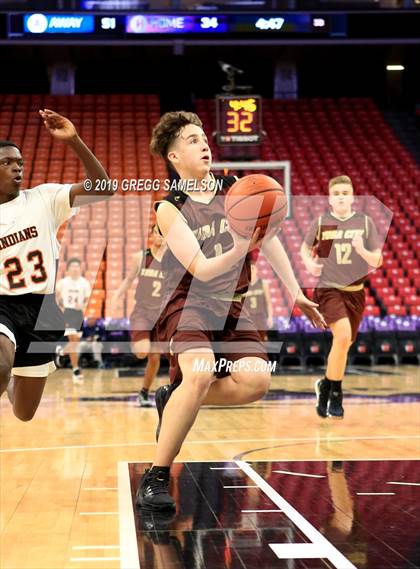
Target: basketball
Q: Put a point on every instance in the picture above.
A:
(255, 201)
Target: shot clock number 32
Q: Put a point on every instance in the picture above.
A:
(239, 119)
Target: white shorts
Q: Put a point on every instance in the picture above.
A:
(72, 332)
(43, 370)
(73, 320)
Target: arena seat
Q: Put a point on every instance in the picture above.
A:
(303, 131)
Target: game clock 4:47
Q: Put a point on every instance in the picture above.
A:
(239, 119)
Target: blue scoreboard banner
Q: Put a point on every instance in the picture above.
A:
(130, 26)
(167, 24)
(145, 27)
(58, 24)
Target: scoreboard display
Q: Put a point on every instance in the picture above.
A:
(103, 27)
(239, 119)
(118, 26)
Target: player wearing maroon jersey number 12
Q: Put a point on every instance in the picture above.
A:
(346, 243)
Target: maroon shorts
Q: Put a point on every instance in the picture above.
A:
(335, 304)
(195, 328)
(143, 328)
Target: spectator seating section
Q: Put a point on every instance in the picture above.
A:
(321, 137)
(324, 138)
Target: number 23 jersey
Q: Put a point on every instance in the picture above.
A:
(29, 248)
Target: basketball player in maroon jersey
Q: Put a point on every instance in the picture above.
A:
(258, 303)
(346, 244)
(206, 274)
(146, 265)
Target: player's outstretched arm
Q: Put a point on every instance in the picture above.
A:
(63, 129)
(185, 247)
(136, 261)
(277, 257)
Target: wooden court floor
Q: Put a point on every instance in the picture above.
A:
(59, 500)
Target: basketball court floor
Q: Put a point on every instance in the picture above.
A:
(263, 486)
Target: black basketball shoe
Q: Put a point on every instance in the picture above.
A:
(152, 493)
(335, 407)
(322, 391)
(162, 396)
(143, 399)
(337, 466)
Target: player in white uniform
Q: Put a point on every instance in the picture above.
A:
(72, 295)
(30, 320)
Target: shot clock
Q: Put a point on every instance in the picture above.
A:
(239, 119)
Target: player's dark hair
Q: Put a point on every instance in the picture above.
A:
(73, 260)
(168, 128)
(6, 143)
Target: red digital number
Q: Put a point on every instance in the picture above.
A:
(239, 121)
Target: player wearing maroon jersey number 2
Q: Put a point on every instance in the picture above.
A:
(346, 243)
(206, 275)
(147, 267)
(29, 251)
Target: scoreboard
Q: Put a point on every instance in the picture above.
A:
(147, 27)
(117, 26)
(238, 119)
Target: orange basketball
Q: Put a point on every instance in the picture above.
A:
(255, 201)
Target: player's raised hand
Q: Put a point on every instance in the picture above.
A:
(313, 266)
(357, 243)
(309, 308)
(60, 127)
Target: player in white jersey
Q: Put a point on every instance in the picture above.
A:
(30, 320)
(72, 295)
